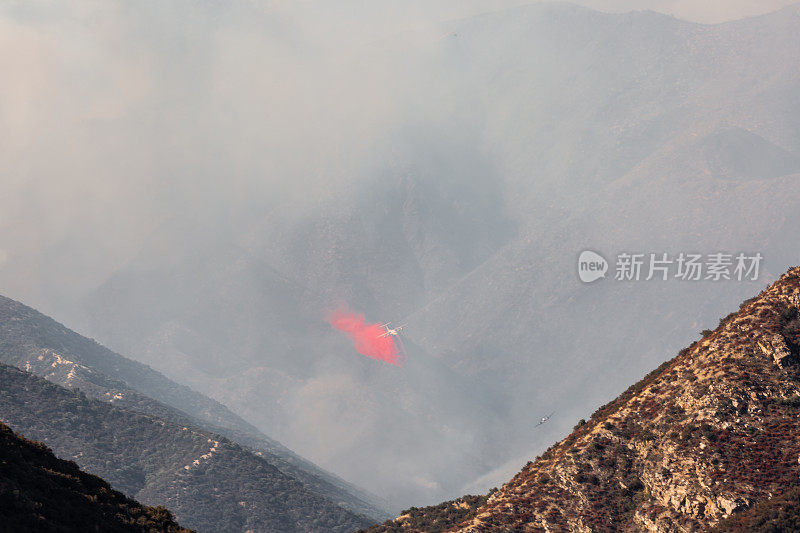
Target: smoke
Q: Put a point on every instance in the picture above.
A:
(368, 339)
(132, 134)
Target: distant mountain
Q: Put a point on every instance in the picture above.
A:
(535, 133)
(39, 492)
(44, 347)
(209, 482)
(38, 344)
(710, 439)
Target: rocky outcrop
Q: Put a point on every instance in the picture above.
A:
(774, 346)
(705, 437)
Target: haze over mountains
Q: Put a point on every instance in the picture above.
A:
(158, 441)
(452, 188)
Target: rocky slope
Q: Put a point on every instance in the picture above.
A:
(39, 492)
(708, 439)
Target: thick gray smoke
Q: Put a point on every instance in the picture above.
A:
(195, 183)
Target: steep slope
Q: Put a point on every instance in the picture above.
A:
(31, 340)
(40, 492)
(699, 441)
(627, 132)
(209, 482)
(42, 346)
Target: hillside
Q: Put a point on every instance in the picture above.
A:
(209, 482)
(708, 439)
(42, 346)
(39, 492)
(64, 356)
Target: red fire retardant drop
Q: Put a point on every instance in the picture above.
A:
(366, 337)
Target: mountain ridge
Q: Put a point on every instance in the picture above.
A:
(208, 481)
(707, 439)
(38, 344)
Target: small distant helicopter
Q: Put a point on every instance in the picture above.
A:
(544, 419)
(391, 331)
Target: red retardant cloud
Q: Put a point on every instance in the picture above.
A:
(366, 337)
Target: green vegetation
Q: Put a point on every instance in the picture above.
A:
(209, 482)
(39, 492)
